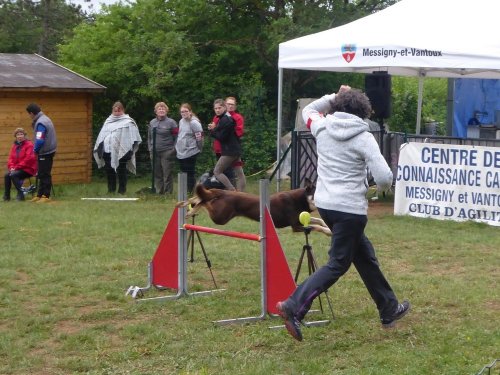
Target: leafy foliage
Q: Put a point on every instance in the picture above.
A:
(195, 51)
(404, 103)
(28, 26)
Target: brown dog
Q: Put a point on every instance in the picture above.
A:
(285, 206)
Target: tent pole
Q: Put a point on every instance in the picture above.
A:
(421, 76)
(278, 130)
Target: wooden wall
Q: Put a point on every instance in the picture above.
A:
(71, 113)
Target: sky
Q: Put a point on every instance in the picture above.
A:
(95, 4)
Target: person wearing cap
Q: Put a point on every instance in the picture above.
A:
(21, 164)
(44, 146)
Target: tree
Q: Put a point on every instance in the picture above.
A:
(197, 50)
(404, 103)
(27, 26)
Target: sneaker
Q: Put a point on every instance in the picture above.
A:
(43, 199)
(35, 199)
(292, 324)
(402, 310)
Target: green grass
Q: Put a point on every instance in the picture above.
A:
(65, 267)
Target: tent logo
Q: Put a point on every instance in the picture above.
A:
(348, 52)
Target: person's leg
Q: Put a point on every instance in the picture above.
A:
(187, 166)
(229, 172)
(110, 172)
(348, 230)
(7, 185)
(368, 268)
(158, 171)
(18, 178)
(222, 164)
(44, 175)
(190, 171)
(240, 175)
(121, 172)
(167, 165)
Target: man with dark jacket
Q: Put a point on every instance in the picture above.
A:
(45, 145)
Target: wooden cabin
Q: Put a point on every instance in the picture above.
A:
(63, 95)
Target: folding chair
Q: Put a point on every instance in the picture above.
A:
(30, 189)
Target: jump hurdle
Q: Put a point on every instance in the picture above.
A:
(168, 268)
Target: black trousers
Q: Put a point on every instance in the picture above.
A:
(15, 178)
(349, 246)
(44, 174)
(188, 166)
(121, 172)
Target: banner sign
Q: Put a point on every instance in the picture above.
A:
(453, 182)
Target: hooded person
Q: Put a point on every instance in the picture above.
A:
(345, 150)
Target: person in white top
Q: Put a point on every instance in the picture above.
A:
(345, 150)
(115, 147)
(189, 143)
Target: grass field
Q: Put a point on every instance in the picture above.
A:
(65, 267)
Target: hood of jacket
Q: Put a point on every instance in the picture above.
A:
(344, 126)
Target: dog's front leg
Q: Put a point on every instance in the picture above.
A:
(319, 228)
(319, 225)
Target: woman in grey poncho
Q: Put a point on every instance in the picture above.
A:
(115, 148)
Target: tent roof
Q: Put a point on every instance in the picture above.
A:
(435, 38)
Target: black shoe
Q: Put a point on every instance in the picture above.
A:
(6, 198)
(20, 197)
(292, 324)
(401, 310)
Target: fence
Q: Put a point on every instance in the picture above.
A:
(304, 156)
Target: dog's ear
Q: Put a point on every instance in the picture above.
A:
(309, 186)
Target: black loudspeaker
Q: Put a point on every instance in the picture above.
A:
(378, 90)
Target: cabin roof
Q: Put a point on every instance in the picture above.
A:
(32, 72)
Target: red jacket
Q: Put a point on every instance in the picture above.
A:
(22, 157)
(239, 129)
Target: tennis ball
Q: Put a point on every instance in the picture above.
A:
(305, 218)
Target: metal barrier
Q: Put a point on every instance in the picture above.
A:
(305, 157)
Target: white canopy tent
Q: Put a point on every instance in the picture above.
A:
(422, 38)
